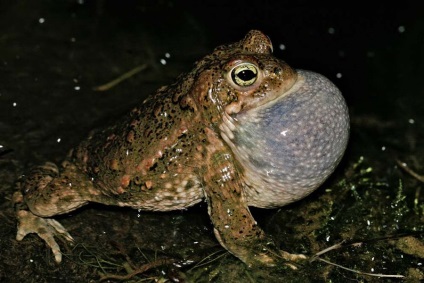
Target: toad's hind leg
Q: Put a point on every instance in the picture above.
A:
(46, 193)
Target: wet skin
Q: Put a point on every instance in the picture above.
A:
(241, 129)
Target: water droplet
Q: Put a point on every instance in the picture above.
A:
(163, 61)
(401, 29)
(339, 75)
(282, 47)
(41, 20)
(331, 30)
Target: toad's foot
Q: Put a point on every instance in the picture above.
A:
(271, 256)
(292, 259)
(279, 257)
(46, 228)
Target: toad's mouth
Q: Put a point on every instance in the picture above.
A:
(253, 100)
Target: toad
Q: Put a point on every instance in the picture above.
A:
(241, 129)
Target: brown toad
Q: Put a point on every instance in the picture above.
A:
(241, 129)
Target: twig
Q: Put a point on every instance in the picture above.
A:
(408, 170)
(208, 259)
(333, 247)
(121, 78)
(356, 244)
(360, 272)
(141, 269)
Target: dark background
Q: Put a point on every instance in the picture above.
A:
(52, 54)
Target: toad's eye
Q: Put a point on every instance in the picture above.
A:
(244, 74)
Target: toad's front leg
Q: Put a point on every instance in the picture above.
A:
(234, 225)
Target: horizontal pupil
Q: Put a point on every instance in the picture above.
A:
(246, 75)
